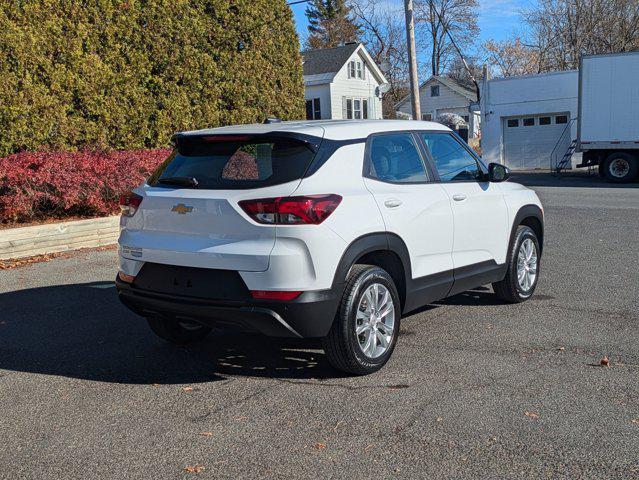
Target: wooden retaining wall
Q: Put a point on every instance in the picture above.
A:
(58, 237)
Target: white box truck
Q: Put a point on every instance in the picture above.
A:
(608, 119)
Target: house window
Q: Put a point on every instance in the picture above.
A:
(355, 69)
(427, 117)
(513, 123)
(313, 109)
(434, 90)
(355, 108)
(561, 119)
(544, 120)
(529, 122)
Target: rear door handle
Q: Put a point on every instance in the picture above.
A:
(392, 203)
(459, 198)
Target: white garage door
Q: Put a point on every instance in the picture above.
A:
(529, 140)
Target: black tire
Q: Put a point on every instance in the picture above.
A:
(177, 332)
(509, 289)
(601, 171)
(342, 345)
(613, 172)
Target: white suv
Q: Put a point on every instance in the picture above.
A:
(330, 229)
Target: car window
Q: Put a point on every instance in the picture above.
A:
(395, 158)
(234, 162)
(453, 162)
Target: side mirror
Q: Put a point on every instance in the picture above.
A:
(498, 172)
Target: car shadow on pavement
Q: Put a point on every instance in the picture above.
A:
(479, 296)
(82, 331)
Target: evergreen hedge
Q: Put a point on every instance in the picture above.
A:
(126, 74)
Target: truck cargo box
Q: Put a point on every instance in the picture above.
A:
(609, 102)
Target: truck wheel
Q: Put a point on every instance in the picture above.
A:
(620, 167)
(365, 329)
(178, 332)
(523, 268)
(601, 171)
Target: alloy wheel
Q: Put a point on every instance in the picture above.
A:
(527, 265)
(375, 320)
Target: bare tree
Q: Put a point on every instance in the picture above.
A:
(562, 31)
(458, 71)
(459, 17)
(511, 57)
(384, 34)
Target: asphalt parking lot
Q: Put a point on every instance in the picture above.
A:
(475, 389)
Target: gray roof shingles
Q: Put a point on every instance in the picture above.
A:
(327, 60)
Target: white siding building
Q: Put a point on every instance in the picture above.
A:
(439, 95)
(342, 83)
(526, 119)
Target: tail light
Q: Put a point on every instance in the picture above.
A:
(129, 203)
(303, 210)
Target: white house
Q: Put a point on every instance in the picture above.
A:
(439, 95)
(342, 83)
(526, 119)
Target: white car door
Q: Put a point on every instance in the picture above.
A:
(414, 207)
(479, 209)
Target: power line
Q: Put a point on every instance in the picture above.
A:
(459, 52)
(298, 1)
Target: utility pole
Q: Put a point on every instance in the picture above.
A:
(412, 59)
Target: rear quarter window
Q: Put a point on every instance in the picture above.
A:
(234, 162)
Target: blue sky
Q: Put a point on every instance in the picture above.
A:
(498, 19)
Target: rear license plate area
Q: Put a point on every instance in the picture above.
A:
(192, 282)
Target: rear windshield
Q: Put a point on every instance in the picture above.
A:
(233, 162)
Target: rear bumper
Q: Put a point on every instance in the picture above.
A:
(310, 315)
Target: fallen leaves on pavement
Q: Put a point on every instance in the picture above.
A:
(21, 262)
(194, 469)
(531, 414)
(187, 389)
(207, 434)
(319, 446)
(635, 421)
(604, 362)
(10, 263)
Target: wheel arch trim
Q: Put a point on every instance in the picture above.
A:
(368, 243)
(528, 211)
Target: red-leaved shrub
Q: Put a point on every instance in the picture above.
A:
(41, 185)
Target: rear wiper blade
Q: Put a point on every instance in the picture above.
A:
(184, 181)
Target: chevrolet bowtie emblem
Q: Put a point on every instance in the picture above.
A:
(182, 209)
